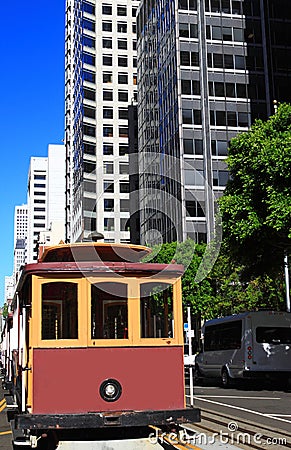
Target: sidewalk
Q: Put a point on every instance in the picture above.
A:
(5, 430)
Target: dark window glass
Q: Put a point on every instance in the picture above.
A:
(107, 9)
(107, 131)
(89, 130)
(89, 149)
(88, 41)
(106, 43)
(156, 306)
(87, 7)
(107, 60)
(89, 167)
(186, 86)
(273, 335)
(107, 149)
(123, 150)
(123, 187)
(108, 113)
(123, 113)
(107, 77)
(122, 96)
(59, 311)
(107, 95)
(89, 59)
(88, 25)
(121, 10)
(122, 27)
(224, 336)
(107, 26)
(122, 78)
(108, 204)
(122, 44)
(89, 94)
(109, 311)
(89, 112)
(109, 187)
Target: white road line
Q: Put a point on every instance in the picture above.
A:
(241, 409)
(236, 396)
(279, 415)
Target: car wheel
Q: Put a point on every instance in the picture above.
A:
(225, 378)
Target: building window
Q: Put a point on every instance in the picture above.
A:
(107, 26)
(89, 76)
(124, 187)
(123, 168)
(108, 113)
(88, 42)
(122, 61)
(108, 224)
(123, 150)
(121, 27)
(122, 96)
(107, 9)
(124, 224)
(87, 7)
(89, 112)
(107, 77)
(194, 208)
(107, 60)
(107, 43)
(107, 149)
(89, 167)
(89, 59)
(89, 94)
(124, 205)
(89, 130)
(90, 149)
(108, 204)
(122, 44)
(220, 177)
(108, 167)
(121, 10)
(107, 131)
(107, 95)
(123, 132)
(89, 25)
(123, 113)
(108, 187)
(122, 78)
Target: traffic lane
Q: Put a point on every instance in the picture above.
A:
(5, 429)
(272, 408)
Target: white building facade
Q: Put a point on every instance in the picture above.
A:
(20, 236)
(100, 84)
(46, 200)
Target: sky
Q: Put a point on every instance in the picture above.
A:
(31, 102)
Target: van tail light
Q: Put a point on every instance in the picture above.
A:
(250, 352)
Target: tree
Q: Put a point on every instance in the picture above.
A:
(256, 205)
(221, 292)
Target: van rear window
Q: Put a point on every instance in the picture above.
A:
(273, 335)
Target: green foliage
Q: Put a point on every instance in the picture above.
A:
(221, 292)
(5, 310)
(256, 206)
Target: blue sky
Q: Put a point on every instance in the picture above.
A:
(31, 102)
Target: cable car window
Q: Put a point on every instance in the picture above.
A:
(273, 335)
(109, 311)
(156, 304)
(59, 311)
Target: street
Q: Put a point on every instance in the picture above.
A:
(266, 405)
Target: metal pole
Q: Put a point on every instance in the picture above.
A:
(190, 354)
(287, 282)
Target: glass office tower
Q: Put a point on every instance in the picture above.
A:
(206, 70)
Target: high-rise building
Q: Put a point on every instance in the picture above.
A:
(206, 70)
(37, 204)
(46, 200)
(100, 84)
(20, 235)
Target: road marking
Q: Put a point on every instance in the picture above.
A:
(279, 415)
(3, 406)
(248, 398)
(5, 432)
(2, 402)
(241, 409)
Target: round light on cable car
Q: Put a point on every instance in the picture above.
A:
(110, 390)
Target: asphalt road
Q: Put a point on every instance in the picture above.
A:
(262, 404)
(5, 430)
